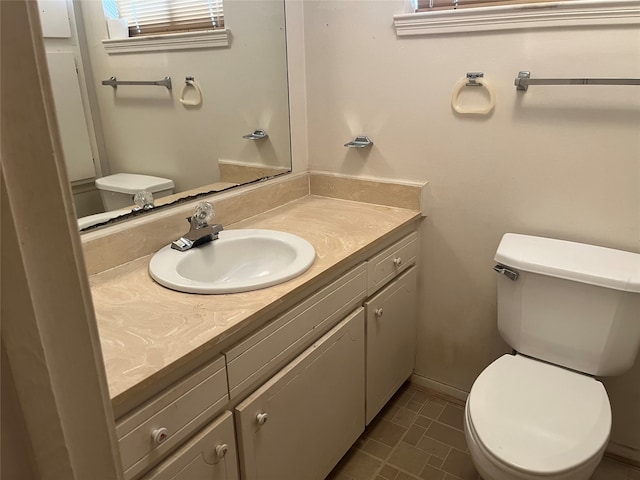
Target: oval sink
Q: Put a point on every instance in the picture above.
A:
(238, 261)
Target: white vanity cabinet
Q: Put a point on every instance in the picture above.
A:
(150, 432)
(209, 455)
(301, 422)
(254, 359)
(391, 340)
(301, 387)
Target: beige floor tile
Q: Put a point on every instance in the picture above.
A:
(460, 465)
(360, 466)
(406, 476)
(434, 447)
(612, 470)
(389, 411)
(385, 432)
(389, 472)
(453, 416)
(408, 458)
(338, 475)
(403, 396)
(448, 435)
(422, 421)
(608, 470)
(431, 410)
(377, 449)
(431, 473)
(414, 406)
(414, 434)
(438, 400)
(404, 417)
(428, 446)
(420, 396)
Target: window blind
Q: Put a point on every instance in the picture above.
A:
(431, 5)
(153, 17)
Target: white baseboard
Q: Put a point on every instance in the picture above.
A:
(439, 387)
(623, 453)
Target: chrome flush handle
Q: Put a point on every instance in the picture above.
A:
(512, 274)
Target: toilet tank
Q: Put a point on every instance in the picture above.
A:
(572, 304)
(117, 190)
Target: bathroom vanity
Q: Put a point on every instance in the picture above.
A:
(271, 384)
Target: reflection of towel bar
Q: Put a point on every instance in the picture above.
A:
(524, 80)
(114, 82)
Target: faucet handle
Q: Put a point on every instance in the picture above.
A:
(203, 213)
(143, 200)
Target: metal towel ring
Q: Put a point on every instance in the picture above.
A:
(191, 82)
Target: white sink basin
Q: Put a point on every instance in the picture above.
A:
(238, 261)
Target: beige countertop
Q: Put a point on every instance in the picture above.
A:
(148, 332)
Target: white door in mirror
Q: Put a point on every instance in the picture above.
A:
(238, 261)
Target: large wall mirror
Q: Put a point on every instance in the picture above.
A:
(233, 131)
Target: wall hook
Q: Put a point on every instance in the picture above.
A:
(256, 135)
(360, 141)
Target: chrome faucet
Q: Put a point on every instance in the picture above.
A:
(200, 231)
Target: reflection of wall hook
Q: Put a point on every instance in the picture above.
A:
(473, 79)
(191, 82)
(256, 135)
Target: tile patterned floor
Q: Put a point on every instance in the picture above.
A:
(419, 436)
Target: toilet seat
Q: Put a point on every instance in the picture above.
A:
(537, 418)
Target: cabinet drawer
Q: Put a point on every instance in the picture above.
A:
(271, 347)
(390, 262)
(300, 423)
(180, 411)
(210, 455)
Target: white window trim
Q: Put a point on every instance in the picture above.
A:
(513, 17)
(169, 41)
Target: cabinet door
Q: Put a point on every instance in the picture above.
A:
(391, 340)
(301, 422)
(210, 455)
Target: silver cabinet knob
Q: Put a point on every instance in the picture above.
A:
(221, 450)
(397, 261)
(378, 312)
(159, 435)
(261, 418)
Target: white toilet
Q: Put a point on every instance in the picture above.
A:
(570, 311)
(117, 190)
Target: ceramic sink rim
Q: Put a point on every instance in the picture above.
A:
(245, 260)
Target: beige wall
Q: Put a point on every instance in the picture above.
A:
(557, 161)
(147, 130)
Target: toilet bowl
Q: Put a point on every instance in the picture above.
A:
(529, 420)
(569, 310)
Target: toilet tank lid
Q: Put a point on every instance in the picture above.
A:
(579, 262)
(133, 183)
